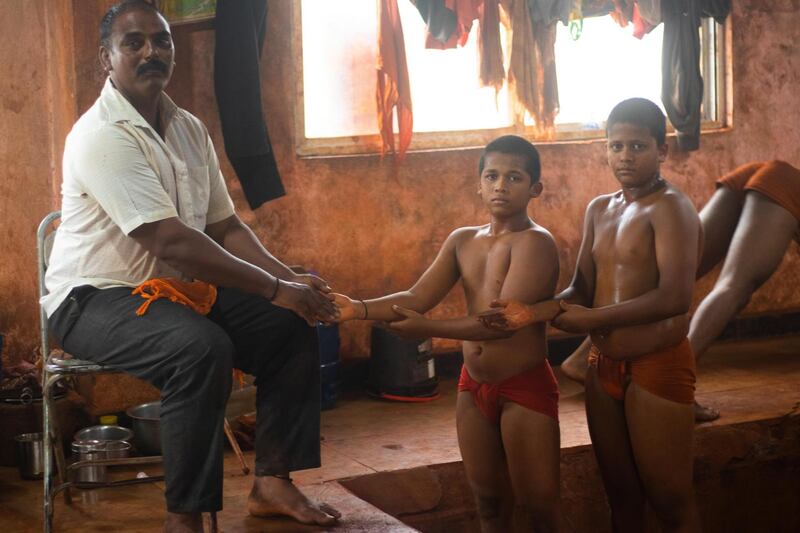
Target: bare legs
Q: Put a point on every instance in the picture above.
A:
(757, 248)
(520, 458)
(644, 449)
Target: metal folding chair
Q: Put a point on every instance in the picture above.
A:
(54, 370)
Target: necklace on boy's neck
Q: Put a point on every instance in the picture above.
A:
(658, 183)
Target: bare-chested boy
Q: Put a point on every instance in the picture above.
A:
(631, 291)
(507, 407)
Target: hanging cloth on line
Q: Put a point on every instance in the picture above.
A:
(681, 79)
(240, 26)
(393, 88)
(532, 68)
(448, 21)
(490, 51)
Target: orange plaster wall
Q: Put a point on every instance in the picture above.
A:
(368, 226)
(36, 110)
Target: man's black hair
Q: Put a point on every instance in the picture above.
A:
(107, 22)
(641, 112)
(513, 144)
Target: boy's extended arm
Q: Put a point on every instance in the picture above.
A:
(468, 328)
(531, 277)
(430, 288)
(676, 229)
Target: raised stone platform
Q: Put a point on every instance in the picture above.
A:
(396, 467)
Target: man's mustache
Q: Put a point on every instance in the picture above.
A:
(153, 64)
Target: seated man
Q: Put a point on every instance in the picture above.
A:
(145, 207)
(749, 222)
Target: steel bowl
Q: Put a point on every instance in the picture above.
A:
(104, 433)
(146, 427)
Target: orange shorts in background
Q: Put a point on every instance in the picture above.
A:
(777, 180)
(668, 373)
(536, 389)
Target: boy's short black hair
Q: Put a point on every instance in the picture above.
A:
(107, 22)
(513, 144)
(641, 112)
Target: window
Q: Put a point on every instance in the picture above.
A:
(336, 110)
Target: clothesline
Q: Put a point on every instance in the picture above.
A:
(531, 65)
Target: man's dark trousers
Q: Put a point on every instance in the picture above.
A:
(189, 357)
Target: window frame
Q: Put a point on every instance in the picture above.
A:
(470, 139)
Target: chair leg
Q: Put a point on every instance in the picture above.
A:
(235, 445)
(51, 444)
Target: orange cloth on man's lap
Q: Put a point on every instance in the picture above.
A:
(196, 295)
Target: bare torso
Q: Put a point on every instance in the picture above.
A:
(624, 258)
(484, 261)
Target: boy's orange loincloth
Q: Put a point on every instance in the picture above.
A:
(777, 180)
(668, 373)
(536, 389)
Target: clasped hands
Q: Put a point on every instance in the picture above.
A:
(503, 315)
(511, 315)
(406, 323)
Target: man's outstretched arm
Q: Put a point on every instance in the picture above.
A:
(197, 255)
(240, 241)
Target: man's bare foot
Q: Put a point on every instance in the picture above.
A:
(704, 414)
(273, 496)
(183, 523)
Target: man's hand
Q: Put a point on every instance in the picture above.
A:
(411, 326)
(315, 282)
(311, 304)
(576, 318)
(348, 308)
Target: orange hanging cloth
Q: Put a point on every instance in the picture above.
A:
(199, 296)
(393, 89)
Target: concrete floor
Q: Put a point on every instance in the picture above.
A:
(746, 380)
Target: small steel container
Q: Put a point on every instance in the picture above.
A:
(85, 450)
(30, 455)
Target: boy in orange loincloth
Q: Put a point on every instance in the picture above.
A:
(507, 407)
(748, 225)
(631, 291)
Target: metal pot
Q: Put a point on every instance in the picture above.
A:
(146, 427)
(88, 450)
(104, 433)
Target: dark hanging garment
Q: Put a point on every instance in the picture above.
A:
(240, 27)
(440, 21)
(681, 82)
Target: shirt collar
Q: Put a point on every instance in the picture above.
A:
(121, 110)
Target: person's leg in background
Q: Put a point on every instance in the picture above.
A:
(762, 236)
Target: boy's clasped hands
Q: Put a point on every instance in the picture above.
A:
(408, 323)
